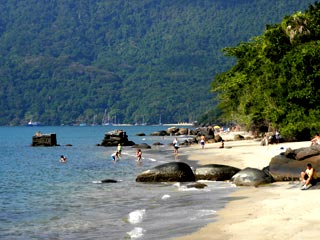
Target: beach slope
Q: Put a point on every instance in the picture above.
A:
(275, 211)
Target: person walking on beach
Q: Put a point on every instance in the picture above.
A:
(139, 155)
(175, 145)
(309, 177)
(202, 141)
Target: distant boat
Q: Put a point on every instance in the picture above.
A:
(82, 124)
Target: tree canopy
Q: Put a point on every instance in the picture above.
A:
(275, 81)
(66, 61)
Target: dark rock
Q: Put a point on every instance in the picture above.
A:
(141, 145)
(159, 133)
(215, 172)
(109, 181)
(197, 185)
(46, 140)
(302, 153)
(251, 177)
(168, 172)
(283, 168)
(217, 138)
(172, 131)
(140, 134)
(115, 137)
(238, 137)
(157, 144)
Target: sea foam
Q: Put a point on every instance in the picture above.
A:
(166, 196)
(137, 232)
(136, 216)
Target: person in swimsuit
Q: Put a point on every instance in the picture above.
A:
(309, 177)
(139, 155)
(202, 141)
(115, 156)
(63, 159)
(315, 140)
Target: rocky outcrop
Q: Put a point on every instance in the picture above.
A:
(115, 137)
(168, 172)
(215, 172)
(251, 177)
(288, 165)
(46, 140)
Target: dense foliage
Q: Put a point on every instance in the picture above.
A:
(66, 61)
(276, 79)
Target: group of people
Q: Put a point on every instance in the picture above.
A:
(117, 154)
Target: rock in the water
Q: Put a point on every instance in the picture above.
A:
(168, 172)
(197, 185)
(251, 177)
(142, 146)
(215, 172)
(116, 137)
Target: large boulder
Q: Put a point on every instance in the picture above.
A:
(215, 172)
(113, 138)
(251, 177)
(288, 165)
(168, 172)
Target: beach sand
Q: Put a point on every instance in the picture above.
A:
(276, 211)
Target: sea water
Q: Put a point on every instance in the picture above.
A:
(41, 198)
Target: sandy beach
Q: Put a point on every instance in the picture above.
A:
(276, 211)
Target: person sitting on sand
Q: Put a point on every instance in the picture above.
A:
(63, 159)
(115, 156)
(309, 177)
(315, 140)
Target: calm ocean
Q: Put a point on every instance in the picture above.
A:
(41, 198)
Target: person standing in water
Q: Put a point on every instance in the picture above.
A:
(139, 155)
(119, 149)
(175, 145)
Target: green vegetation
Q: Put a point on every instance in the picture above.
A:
(67, 61)
(276, 79)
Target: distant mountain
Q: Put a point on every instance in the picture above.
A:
(67, 61)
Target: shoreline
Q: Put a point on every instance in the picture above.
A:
(261, 212)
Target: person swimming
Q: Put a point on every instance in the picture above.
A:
(63, 159)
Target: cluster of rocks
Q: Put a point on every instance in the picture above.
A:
(182, 172)
(288, 165)
(283, 167)
(113, 138)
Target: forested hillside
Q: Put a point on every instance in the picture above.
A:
(275, 82)
(66, 61)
